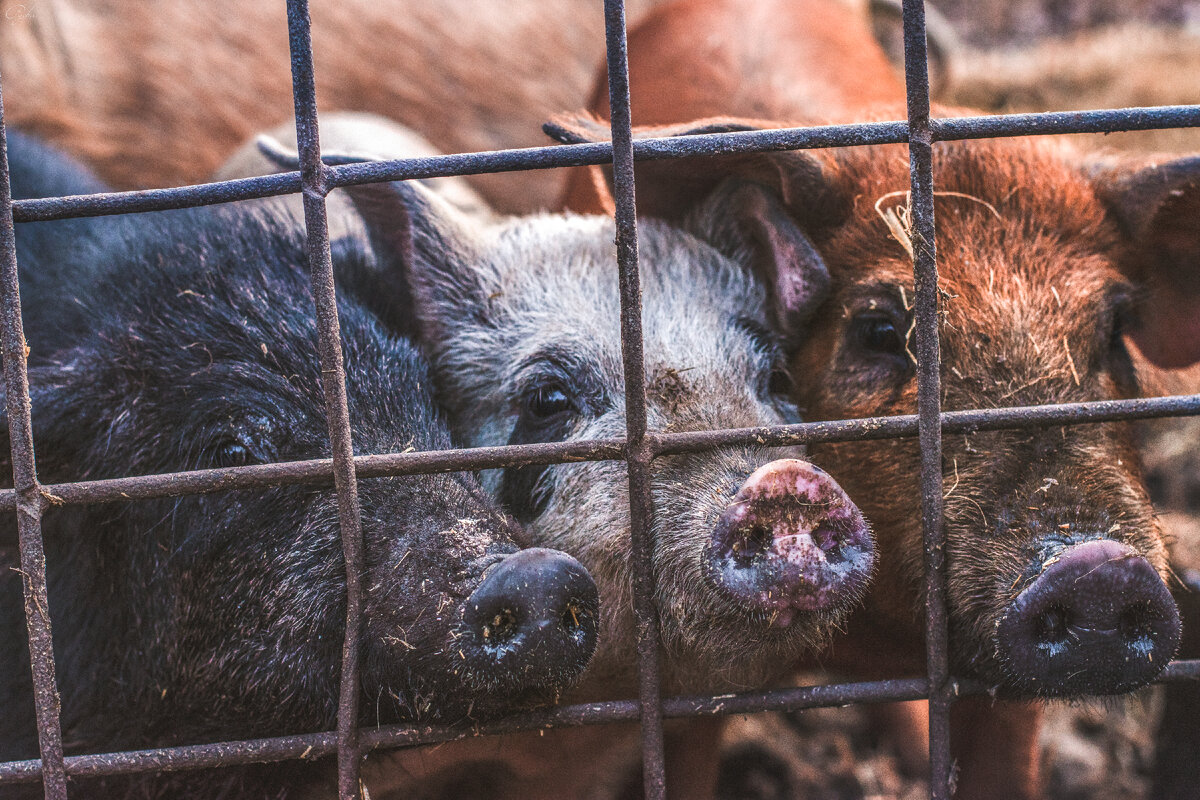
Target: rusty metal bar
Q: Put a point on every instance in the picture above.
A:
(319, 472)
(637, 450)
(28, 497)
(333, 379)
(572, 155)
(317, 745)
(929, 396)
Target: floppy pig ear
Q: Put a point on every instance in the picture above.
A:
(748, 223)
(426, 252)
(1158, 207)
(669, 188)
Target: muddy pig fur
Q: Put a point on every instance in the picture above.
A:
(756, 557)
(187, 340)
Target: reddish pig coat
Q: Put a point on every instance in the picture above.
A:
(162, 94)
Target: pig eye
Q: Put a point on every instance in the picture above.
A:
(779, 382)
(876, 333)
(232, 453)
(549, 401)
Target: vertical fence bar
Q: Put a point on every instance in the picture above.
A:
(334, 383)
(929, 404)
(638, 451)
(29, 497)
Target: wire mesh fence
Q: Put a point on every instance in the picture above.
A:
(640, 446)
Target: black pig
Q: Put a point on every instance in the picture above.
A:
(186, 340)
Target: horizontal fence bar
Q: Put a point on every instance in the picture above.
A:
(320, 471)
(317, 745)
(102, 204)
(905, 425)
(1055, 122)
(573, 155)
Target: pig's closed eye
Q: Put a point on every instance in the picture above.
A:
(1124, 319)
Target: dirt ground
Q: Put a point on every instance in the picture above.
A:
(1089, 752)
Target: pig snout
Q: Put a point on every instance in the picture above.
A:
(533, 622)
(1098, 620)
(791, 540)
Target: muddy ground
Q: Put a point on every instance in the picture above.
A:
(1089, 752)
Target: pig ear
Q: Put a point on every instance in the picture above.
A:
(426, 252)
(428, 256)
(748, 223)
(1158, 209)
(590, 188)
(669, 188)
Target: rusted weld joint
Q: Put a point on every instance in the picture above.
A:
(314, 182)
(645, 451)
(32, 501)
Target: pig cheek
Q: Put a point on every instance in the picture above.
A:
(587, 516)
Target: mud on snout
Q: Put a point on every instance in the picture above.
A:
(781, 560)
(1068, 599)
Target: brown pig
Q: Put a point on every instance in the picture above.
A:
(1047, 257)
(161, 94)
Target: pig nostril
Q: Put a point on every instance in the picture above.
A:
(753, 543)
(1137, 624)
(827, 539)
(501, 627)
(1051, 626)
(572, 619)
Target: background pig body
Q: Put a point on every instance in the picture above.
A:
(161, 96)
(466, 75)
(186, 340)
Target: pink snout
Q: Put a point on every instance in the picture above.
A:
(792, 540)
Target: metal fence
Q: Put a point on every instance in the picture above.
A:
(639, 447)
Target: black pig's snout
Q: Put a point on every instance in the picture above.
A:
(532, 623)
(1098, 620)
(792, 540)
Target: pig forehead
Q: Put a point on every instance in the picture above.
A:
(565, 279)
(991, 269)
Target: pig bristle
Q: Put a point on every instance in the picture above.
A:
(898, 219)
